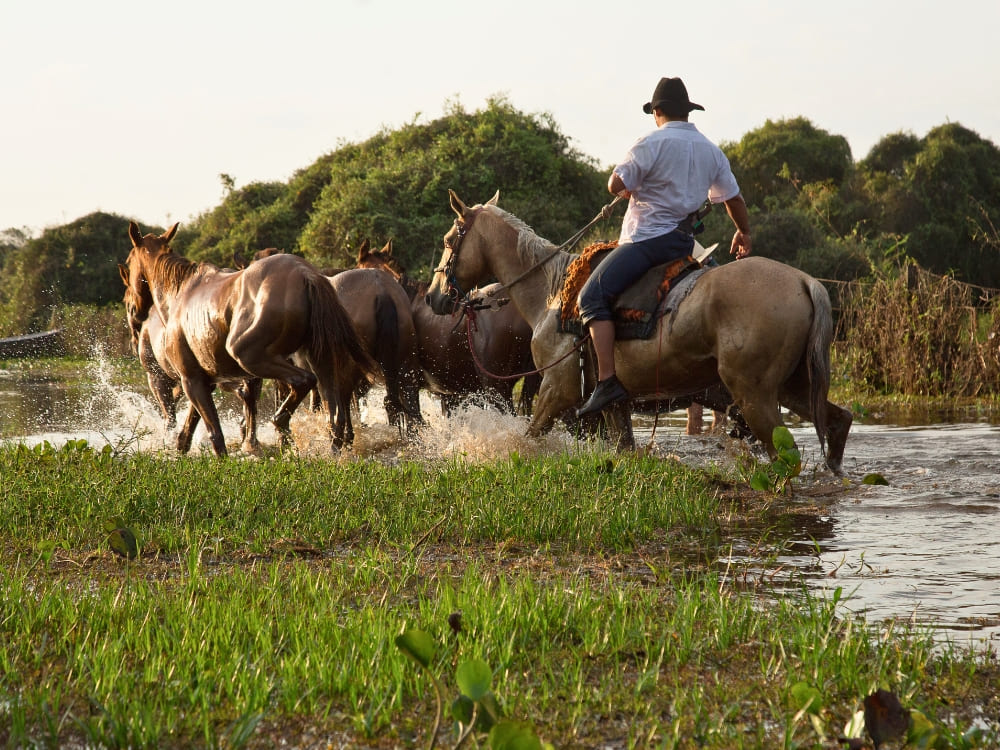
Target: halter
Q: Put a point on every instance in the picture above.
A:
(462, 228)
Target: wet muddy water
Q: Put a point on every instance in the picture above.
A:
(925, 548)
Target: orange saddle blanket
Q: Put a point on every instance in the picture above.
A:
(636, 310)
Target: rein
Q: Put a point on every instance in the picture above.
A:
(470, 321)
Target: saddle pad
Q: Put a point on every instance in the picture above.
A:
(635, 311)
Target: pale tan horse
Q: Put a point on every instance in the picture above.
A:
(223, 327)
(759, 327)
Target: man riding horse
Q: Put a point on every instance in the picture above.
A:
(666, 176)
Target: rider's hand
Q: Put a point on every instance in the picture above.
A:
(741, 244)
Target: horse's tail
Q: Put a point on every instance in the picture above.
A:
(331, 333)
(387, 346)
(818, 357)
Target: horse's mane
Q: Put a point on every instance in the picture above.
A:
(173, 270)
(531, 249)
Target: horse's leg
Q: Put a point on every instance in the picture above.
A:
(559, 391)
(162, 387)
(529, 389)
(186, 435)
(619, 419)
(199, 393)
(249, 393)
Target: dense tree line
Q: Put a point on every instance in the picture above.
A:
(933, 200)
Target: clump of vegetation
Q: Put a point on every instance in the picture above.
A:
(920, 334)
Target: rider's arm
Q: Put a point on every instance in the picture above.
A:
(737, 210)
(617, 187)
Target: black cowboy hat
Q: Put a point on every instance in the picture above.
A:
(670, 94)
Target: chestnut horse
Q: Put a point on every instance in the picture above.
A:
(760, 328)
(380, 313)
(454, 367)
(223, 327)
(148, 343)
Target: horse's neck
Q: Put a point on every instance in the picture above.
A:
(525, 278)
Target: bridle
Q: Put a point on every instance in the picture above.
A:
(447, 267)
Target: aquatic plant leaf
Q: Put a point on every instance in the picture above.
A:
(782, 438)
(760, 481)
(123, 542)
(874, 478)
(807, 698)
(921, 732)
(418, 645)
(885, 717)
(514, 735)
(473, 678)
(461, 709)
(489, 713)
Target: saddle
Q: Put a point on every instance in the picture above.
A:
(636, 311)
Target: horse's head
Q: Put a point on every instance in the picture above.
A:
(462, 266)
(135, 274)
(382, 259)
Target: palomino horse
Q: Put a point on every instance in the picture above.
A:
(454, 367)
(223, 327)
(761, 328)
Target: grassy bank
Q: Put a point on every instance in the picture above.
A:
(266, 595)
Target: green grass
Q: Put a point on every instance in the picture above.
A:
(267, 596)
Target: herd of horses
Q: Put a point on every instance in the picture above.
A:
(749, 338)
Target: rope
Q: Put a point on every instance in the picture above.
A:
(567, 245)
(470, 321)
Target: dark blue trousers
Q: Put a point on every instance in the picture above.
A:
(624, 266)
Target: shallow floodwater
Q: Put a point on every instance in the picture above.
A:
(925, 548)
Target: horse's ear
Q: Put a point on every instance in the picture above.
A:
(493, 201)
(239, 260)
(363, 250)
(169, 234)
(123, 272)
(456, 203)
(134, 234)
(388, 248)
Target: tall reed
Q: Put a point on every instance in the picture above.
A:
(916, 333)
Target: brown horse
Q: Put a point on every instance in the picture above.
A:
(148, 344)
(223, 327)
(454, 367)
(760, 328)
(380, 312)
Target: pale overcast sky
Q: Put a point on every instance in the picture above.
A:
(135, 108)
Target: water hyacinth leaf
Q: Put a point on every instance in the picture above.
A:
(921, 732)
(782, 439)
(874, 479)
(806, 698)
(514, 735)
(473, 678)
(760, 481)
(123, 542)
(461, 709)
(418, 645)
(489, 713)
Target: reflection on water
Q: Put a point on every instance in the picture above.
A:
(925, 548)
